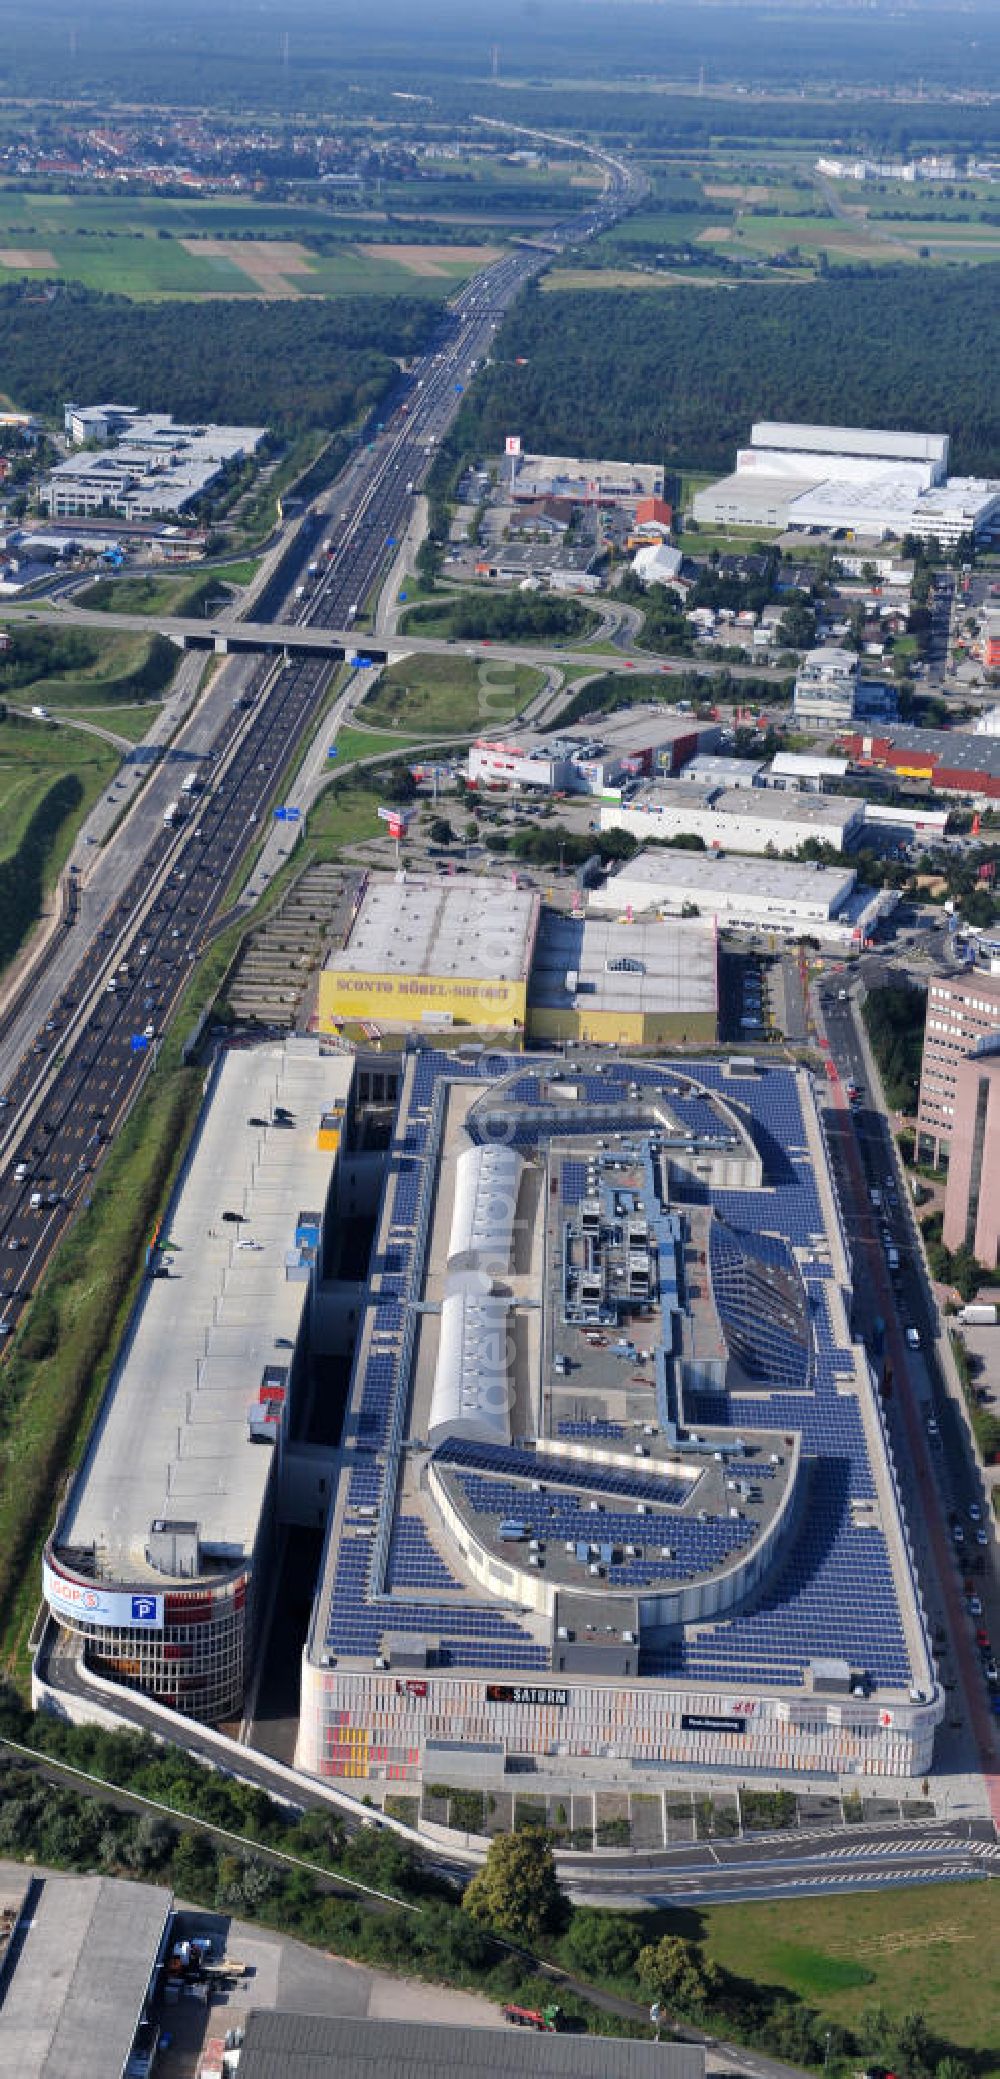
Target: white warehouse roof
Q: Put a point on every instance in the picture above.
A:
(877, 442)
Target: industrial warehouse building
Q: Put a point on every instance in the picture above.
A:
(433, 953)
(737, 819)
(850, 479)
(655, 984)
(776, 897)
(626, 485)
(485, 955)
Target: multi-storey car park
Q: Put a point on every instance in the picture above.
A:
(168, 1528)
(614, 1484)
(611, 1485)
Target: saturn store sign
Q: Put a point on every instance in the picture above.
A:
(121, 1609)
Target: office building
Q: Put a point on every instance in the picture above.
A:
(963, 1011)
(155, 466)
(972, 1193)
(826, 688)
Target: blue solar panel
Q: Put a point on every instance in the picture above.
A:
(834, 1592)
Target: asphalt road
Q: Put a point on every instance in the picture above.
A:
(67, 1079)
(940, 1478)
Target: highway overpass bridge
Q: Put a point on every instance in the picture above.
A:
(235, 638)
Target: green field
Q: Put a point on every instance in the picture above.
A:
(343, 815)
(923, 1950)
(31, 758)
(370, 743)
(449, 694)
(154, 247)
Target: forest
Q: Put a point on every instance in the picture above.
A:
(289, 365)
(228, 55)
(678, 376)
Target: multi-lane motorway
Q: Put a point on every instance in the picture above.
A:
(70, 1078)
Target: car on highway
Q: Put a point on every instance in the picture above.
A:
(913, 1337)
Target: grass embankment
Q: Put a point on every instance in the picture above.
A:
(49, 780)
(449, 694)
(479, 615)
(61, 1356)
(69, 669)
(200, 592)
(32, 759)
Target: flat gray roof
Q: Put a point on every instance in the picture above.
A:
(774, 805)
(75, 1994)
(312, 2046)
(443, 928)
(172, 1440)
(783, 879)
(675, 964)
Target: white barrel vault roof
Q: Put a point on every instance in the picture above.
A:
(471, 1394)
(486, 1186)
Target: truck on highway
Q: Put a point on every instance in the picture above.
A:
(172, 814)
(191, 784)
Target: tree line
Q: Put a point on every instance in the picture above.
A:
(490, 1936)
(680, 377)
(290, 365)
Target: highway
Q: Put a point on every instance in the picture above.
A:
(146, 912)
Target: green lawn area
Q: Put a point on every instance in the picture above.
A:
(155, 595)
(343, 815)
(923, 1950)
(449, 694)
(370, 743)
(133, 722)
(31, 758)
(120, 671)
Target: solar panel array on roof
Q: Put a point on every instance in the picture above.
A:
(835, 1593)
